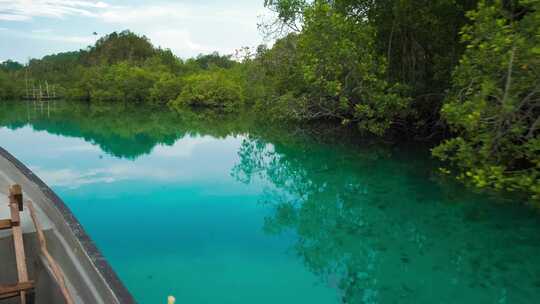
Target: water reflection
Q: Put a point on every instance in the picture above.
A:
(121, 130)
(374, 224)
(370, 221)
(134, 130)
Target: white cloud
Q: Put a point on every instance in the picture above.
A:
(22, 10)
(74, 178)
(49, 35)
(13, 17)
(85, 147)
(190, 29)
(183, 147)
(141, 14)
(187, 28)
(179, 41)
(41, 31)
(67, 38)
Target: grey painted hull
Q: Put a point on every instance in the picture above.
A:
(89, 277)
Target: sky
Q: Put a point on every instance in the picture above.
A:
(34, 28)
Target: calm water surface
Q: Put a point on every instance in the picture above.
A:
(216, 209)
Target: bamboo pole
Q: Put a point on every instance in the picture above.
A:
(47, 86)
(26, 82)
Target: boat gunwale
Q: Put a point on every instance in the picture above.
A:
(96, 257)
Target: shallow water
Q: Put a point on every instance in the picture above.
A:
(216, 209)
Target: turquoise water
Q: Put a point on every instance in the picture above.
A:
(216, 209)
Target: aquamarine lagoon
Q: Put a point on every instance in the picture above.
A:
(214, 208)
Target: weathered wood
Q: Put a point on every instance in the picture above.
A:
(58, 274)
(16, 192)
(20, 256)
(15, 217)
(9, 295)
(5, 224)
(14, 210)
(16, 288)
(20, 259)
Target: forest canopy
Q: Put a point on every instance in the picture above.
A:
(463, 74)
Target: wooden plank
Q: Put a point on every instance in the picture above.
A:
(20, 256)
(58, 274)
(9, 295)
(16, 192)
(5, 224)
(15, 217)
(21, 286)
(30, 296)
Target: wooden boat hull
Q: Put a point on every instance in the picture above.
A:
(89, 277)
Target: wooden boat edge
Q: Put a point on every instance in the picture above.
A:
(75, 231)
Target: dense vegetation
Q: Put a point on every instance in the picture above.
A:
(120, 67)
(494, 105)
(464, 74)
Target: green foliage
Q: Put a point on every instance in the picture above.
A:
(124, 67)
(5, 88)
(10, 66)
(215, 89)
(418, 40)
(289, 12)
(11, 86)
(332, 71)
(494, 106)
(165, 60)
(344, 73)
(118, 47)
(165, 89)
(213, 60)
(275, 75)
(357, 61)
(119, 82)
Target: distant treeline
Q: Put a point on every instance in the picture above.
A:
(462, 73)
(119, 67)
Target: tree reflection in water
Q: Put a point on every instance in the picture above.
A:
(374, 223)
